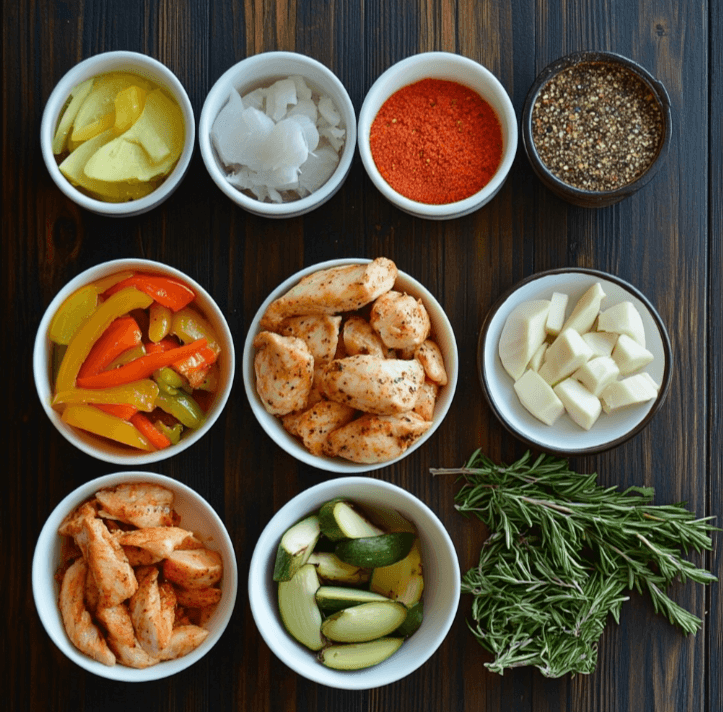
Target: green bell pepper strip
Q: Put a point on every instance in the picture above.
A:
(142, 394)
(173, 434)
(92, 329)
(188, 325)
(168, 380)
(182, 407)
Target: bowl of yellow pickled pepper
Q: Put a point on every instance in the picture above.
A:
(133, 361)
(117, 133)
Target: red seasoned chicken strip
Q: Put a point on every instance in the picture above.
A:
(199, 568)
(81, 630)
(184, 640)
(332, 291)
(159, 541)
(139, 503)
(152, 611)
(122, 638)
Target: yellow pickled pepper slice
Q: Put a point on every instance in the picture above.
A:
(160, 322)
(93, 129)
(93, 420)
(129, 105)
(105, 283)
(72, 313)
(92, 329)
(65, 124)
(141, 394)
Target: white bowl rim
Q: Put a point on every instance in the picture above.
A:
(39, 566)
(509, 120)
(219, 91)
(265, 550)
(643, 416)
(40, 363)
(59, 96)
(338, 464)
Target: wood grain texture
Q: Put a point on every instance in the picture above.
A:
(666, 240)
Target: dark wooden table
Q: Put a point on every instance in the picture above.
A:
(666, 240)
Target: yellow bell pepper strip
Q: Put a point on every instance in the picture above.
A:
(142, 367)
(95, 421)
(92, 329)
(72, 313)
(169, 292)
(149, 431)
(121, 335)
(141, 394)
(128, 356)
(188, 325)
(160, 322)
(105, 283)
(182, 407)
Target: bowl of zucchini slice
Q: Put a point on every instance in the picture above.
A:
(354, 583)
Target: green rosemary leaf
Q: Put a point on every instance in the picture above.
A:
(561, 554)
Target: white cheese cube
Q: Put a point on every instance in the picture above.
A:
(601, 342)
(556, 315)
(623, 318)
(586, 310)
(539, 398)
(597, 373)
(522, 334)
(564, 356)
(630, 356)
(538, 359)
(630, 391)
(581, 405)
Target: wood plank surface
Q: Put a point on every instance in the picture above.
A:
(665, 240)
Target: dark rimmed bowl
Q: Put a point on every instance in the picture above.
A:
(565, 437)
(578, 196)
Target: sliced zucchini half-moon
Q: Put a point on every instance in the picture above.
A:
(373, 551)
(335, 598)
(403, 581)
(365, 622)
(340, 520)
(331, 568)
(356, 656)
(295, 547)
(298, 609)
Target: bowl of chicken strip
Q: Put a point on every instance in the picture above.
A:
(350, 365)
(134, 576)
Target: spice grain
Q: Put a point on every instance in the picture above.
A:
(597, 126)
(436, 141)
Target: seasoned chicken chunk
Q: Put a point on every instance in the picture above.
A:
(401, 321)
(198, 568)
(284, 370)
(198, 597)
(430, 356)
(320, 332)
(373, 384)
(185, 639)
(72, 524)
(139, 503)
(108, 564)
(122, 637)
(152, 611)
(332, 291)
(81, 630)
(360, 338)
(317, 422)
(159, 541)
(427, 400)
(376, 438)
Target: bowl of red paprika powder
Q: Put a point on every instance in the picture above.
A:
(437, 135)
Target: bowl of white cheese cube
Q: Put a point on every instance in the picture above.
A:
(574, 361)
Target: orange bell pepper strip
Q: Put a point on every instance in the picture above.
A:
(141, 394)
(124, 411)
(169, 292)
(92, 420)
(93, 328)
(161, 346)
(154, 436)
(142, 367)
(121, 335)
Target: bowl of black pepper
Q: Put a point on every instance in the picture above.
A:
(596, 127)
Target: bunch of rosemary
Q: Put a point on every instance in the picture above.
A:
(561, 553)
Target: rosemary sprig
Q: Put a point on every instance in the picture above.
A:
(562, 553)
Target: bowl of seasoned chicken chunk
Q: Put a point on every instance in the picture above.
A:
(350, 365)
(134, 576)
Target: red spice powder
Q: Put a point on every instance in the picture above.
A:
(436, 141)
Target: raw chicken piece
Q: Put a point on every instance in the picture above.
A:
(152, 611)
(81, 630)
(373, 384)
(401, 321)
(284, 370)
(318, 421)
(376, 438)
(429, 355)
(360, 338)
(139, 503)
(199, 568)
(427, 400)
(160, 541)
(332, 291)
(321, 334)
(122, 638)
(107, 561)
(185, 638)
(198, 597)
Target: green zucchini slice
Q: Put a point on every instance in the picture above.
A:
(334, 598)
(402, 581)
(331, 568)
(340, 520)
(295, 548)
(365, 622)
(413, 620)
(374, 551)
(359, 655)
(298, 609)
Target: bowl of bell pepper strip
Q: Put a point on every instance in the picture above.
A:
(133, 361)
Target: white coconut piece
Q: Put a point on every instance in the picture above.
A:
(225, 126)
(303, 91)
(328, 110)
(305, 107)
(278, 98)
(284, 147)
(335, 137)
(317, 168)
(311, 133)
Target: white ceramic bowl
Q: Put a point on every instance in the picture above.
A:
(102, 448)
(442, 333)
(450, 67)
(197, 515)
(263, 70)
(441, 583)
(565, 437)
(135, 63)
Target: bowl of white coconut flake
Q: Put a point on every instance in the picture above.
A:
(277, 134)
